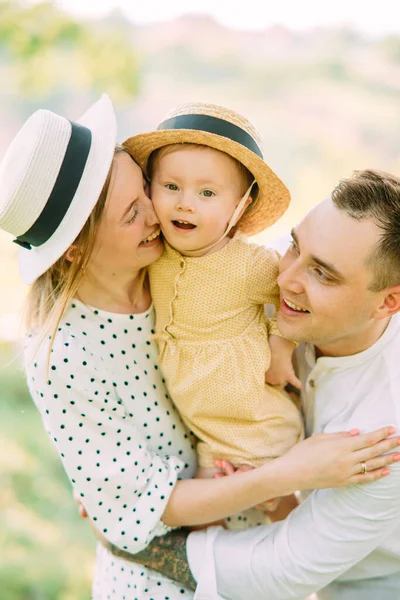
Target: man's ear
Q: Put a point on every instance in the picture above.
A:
(390, 304)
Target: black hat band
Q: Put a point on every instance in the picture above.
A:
(213, 125)
(64, 189)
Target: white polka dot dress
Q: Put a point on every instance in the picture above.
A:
(122, 443)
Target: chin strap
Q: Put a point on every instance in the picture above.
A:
(233, 221)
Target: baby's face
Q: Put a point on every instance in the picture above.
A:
(195, 192)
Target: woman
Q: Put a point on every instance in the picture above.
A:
(79, 209)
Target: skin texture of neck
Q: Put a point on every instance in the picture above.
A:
(354, 343)
(123, 293)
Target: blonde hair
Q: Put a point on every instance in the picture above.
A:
(51, 293)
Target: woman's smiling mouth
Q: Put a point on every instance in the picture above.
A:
(152, 239)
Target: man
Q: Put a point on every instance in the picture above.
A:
(340, 293)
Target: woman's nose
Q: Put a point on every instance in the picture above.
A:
(151, 217)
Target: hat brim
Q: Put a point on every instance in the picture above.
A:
(273, 197)
(101, 120)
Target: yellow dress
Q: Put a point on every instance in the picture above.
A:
(212, 334)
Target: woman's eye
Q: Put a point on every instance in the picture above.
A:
(172, 187)
(132, 219)
(207, 193)
(293, 247)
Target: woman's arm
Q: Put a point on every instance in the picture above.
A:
(321, 461)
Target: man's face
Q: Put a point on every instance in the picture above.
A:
(325, 273)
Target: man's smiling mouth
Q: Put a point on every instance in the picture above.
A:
(294, 306)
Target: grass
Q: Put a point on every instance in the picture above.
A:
(47, 551)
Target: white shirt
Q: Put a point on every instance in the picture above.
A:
(348, 533)
(122, 443)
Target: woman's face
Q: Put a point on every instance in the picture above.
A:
(128, 237)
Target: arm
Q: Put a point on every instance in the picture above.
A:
(327, 535)
(319, 455)
(281, 561)
(262, 281)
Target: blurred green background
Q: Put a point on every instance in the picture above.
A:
(326, 102)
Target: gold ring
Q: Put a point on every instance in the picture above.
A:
(363, 468)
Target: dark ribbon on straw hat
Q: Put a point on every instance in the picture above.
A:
(213, 125)
(64, 189)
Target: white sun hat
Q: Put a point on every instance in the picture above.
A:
(50, 180)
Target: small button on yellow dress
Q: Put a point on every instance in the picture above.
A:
(212, 334)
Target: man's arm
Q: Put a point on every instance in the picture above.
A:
(165, 554)
(327, 535)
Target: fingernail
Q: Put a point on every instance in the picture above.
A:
(354, 431)
(385, 472)
(396, 457)
(391, 430)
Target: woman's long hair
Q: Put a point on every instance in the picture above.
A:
(51, 293)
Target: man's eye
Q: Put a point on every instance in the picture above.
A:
(172, 187)
(321, 275)
(293, 246)
(207, 193)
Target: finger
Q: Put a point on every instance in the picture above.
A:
(76, 496)
(225, 467)
(244, 468)
(218, 476)
(294, 380)
(377, 449)
(369, 439)
(380, 462)
(369, 477)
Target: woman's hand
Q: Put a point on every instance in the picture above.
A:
(329, 460)
(81, 508)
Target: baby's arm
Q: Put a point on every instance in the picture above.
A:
(281, 369)
(262, 285)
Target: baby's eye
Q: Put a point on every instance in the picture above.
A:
(172, 187)
(207, 193)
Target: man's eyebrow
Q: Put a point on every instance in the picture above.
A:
(327, 266)
(128, 209)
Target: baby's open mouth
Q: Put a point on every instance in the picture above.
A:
(183, 225)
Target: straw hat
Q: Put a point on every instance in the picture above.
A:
(229, 132)
(50, 180)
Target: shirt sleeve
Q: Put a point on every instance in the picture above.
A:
(262, 281)
(123, 485)
(324, 537)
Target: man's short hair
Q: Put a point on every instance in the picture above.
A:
(375, 195)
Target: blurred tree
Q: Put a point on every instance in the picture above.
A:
(46, 50)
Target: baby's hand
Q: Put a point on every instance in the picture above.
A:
(281, 369)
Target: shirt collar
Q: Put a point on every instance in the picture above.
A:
(348, 361)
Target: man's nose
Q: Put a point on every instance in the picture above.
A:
(290, 277)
